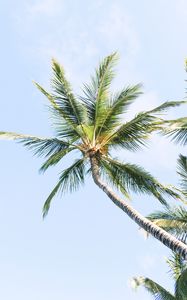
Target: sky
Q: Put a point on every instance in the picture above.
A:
(86, 248)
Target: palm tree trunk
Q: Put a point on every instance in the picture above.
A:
(164, 237)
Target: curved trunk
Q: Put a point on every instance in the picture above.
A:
(164, 237)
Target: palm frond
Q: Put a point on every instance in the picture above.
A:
(177, 129)
(48, 95)
(181, 286)
(40, 146)
(68, 110)
(63, 128)
(56, 108)
(96, 93)
(70, 179)
(133, 134)
(153, 288)
(164, 106)
(55, 158)
(135, 178)
(108, 175)
(173, 220)
(64, 97)
(176, 264)
(182, 171)
(119, 104)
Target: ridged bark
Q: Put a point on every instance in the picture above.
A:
(160, 234)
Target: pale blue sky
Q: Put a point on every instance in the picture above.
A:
(86, 248)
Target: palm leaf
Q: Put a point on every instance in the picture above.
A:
(68, 112)
(118, 106)
(164, 106)
(181, 286)
(182, 171)
(107, 173)
(55, 158)
(133, 177)
(173, 220)
(176, 264)
(41, 146)
(153, 288)
(177, 129)
(96, 93)
(64, 96)
(133, 134)
(69, 180)
(63, 128)
(57, 110)
(45, 93)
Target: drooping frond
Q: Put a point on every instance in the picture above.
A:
(176, 264)
(96, 94)
(108, 175)
(182, 171)
(69, 180)
(40, 146)
(119, 105)
(135, 178)
(177, 129)
(55, 158)
(153, 288)
(173, 220)
(181, 286)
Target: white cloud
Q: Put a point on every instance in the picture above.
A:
(181, 10)
(111, 30)
(119, 31)
(43, 7)
(147, 262)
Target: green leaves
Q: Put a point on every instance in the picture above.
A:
(164, 106)
(97, 93)
(40, 146)
(181, 286)
(55, 158)
(119, 104)
(182, 171)
(64, 97)
(69, 112)
(177, 129)
(134, 134)
(135, 178)
(177, 265)
(173, 220)
(70, 179)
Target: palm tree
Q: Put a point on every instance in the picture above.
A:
(179, 271)
(93, 125)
